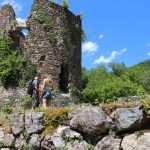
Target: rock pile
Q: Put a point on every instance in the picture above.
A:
(90, 128)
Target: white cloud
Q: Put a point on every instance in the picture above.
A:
(15, 5)
(89, 47)
(103, 59)
(101, 36)
(21, 21)
(148, 54)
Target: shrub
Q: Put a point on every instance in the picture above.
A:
(65, 4)
(26, 101)
(15, 69)
(54, 117)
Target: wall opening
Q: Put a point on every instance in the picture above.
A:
(64, 78)
(25, 32)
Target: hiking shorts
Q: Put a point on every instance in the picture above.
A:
(47, 95)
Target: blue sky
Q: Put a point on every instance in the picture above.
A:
(117, 30)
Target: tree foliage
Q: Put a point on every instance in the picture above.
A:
(14, 69)
(103, 85)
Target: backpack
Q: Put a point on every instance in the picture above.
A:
(30, 88)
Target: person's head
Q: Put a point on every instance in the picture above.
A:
(38, 76)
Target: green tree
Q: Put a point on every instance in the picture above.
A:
(85, 75)
(117, 69)
(15, 70)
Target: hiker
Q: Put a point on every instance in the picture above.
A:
(36, 91)
(46, 90)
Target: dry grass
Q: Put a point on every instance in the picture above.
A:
(5, 122)
(54, 117)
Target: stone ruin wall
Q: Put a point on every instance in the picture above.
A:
(59, 56)
(55, 47)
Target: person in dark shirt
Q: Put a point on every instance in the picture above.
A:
(36, 91)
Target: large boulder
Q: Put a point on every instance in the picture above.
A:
(34, 122)
(92, 121)
(136, 142)
(17, 123)
(129, 119)
(108, 143)
(78, 145)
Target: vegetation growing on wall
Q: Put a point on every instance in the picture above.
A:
(65, 4)
(15, 70)
(45, 20)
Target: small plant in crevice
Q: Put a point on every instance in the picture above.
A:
(90, 147)
(26, 147)
(45, 20)
(65, 4)
(51, 38)
(7, 109)
(26, 101)
(26, 135)
(1, 144)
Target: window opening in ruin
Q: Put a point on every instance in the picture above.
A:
(25, 32)
(64, 78)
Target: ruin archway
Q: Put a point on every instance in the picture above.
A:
(64, 78)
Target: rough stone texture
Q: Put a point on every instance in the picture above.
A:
(58, 141)
(92, 121)
(53, 43)
(71, 134)
(108, 143)
(34, 122)
(11, 96)
(136, 99)
(76, 145)
(62, 58)
(68, 133)
(7, 19)
(35, 142)
(136, 142)
(129, 119)
(17, 123)
(20, 142)
(47, 143)
(8, 140)
(1, 136)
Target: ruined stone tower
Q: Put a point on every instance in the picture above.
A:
(53, 43)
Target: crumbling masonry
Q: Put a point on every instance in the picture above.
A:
(53, 42)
